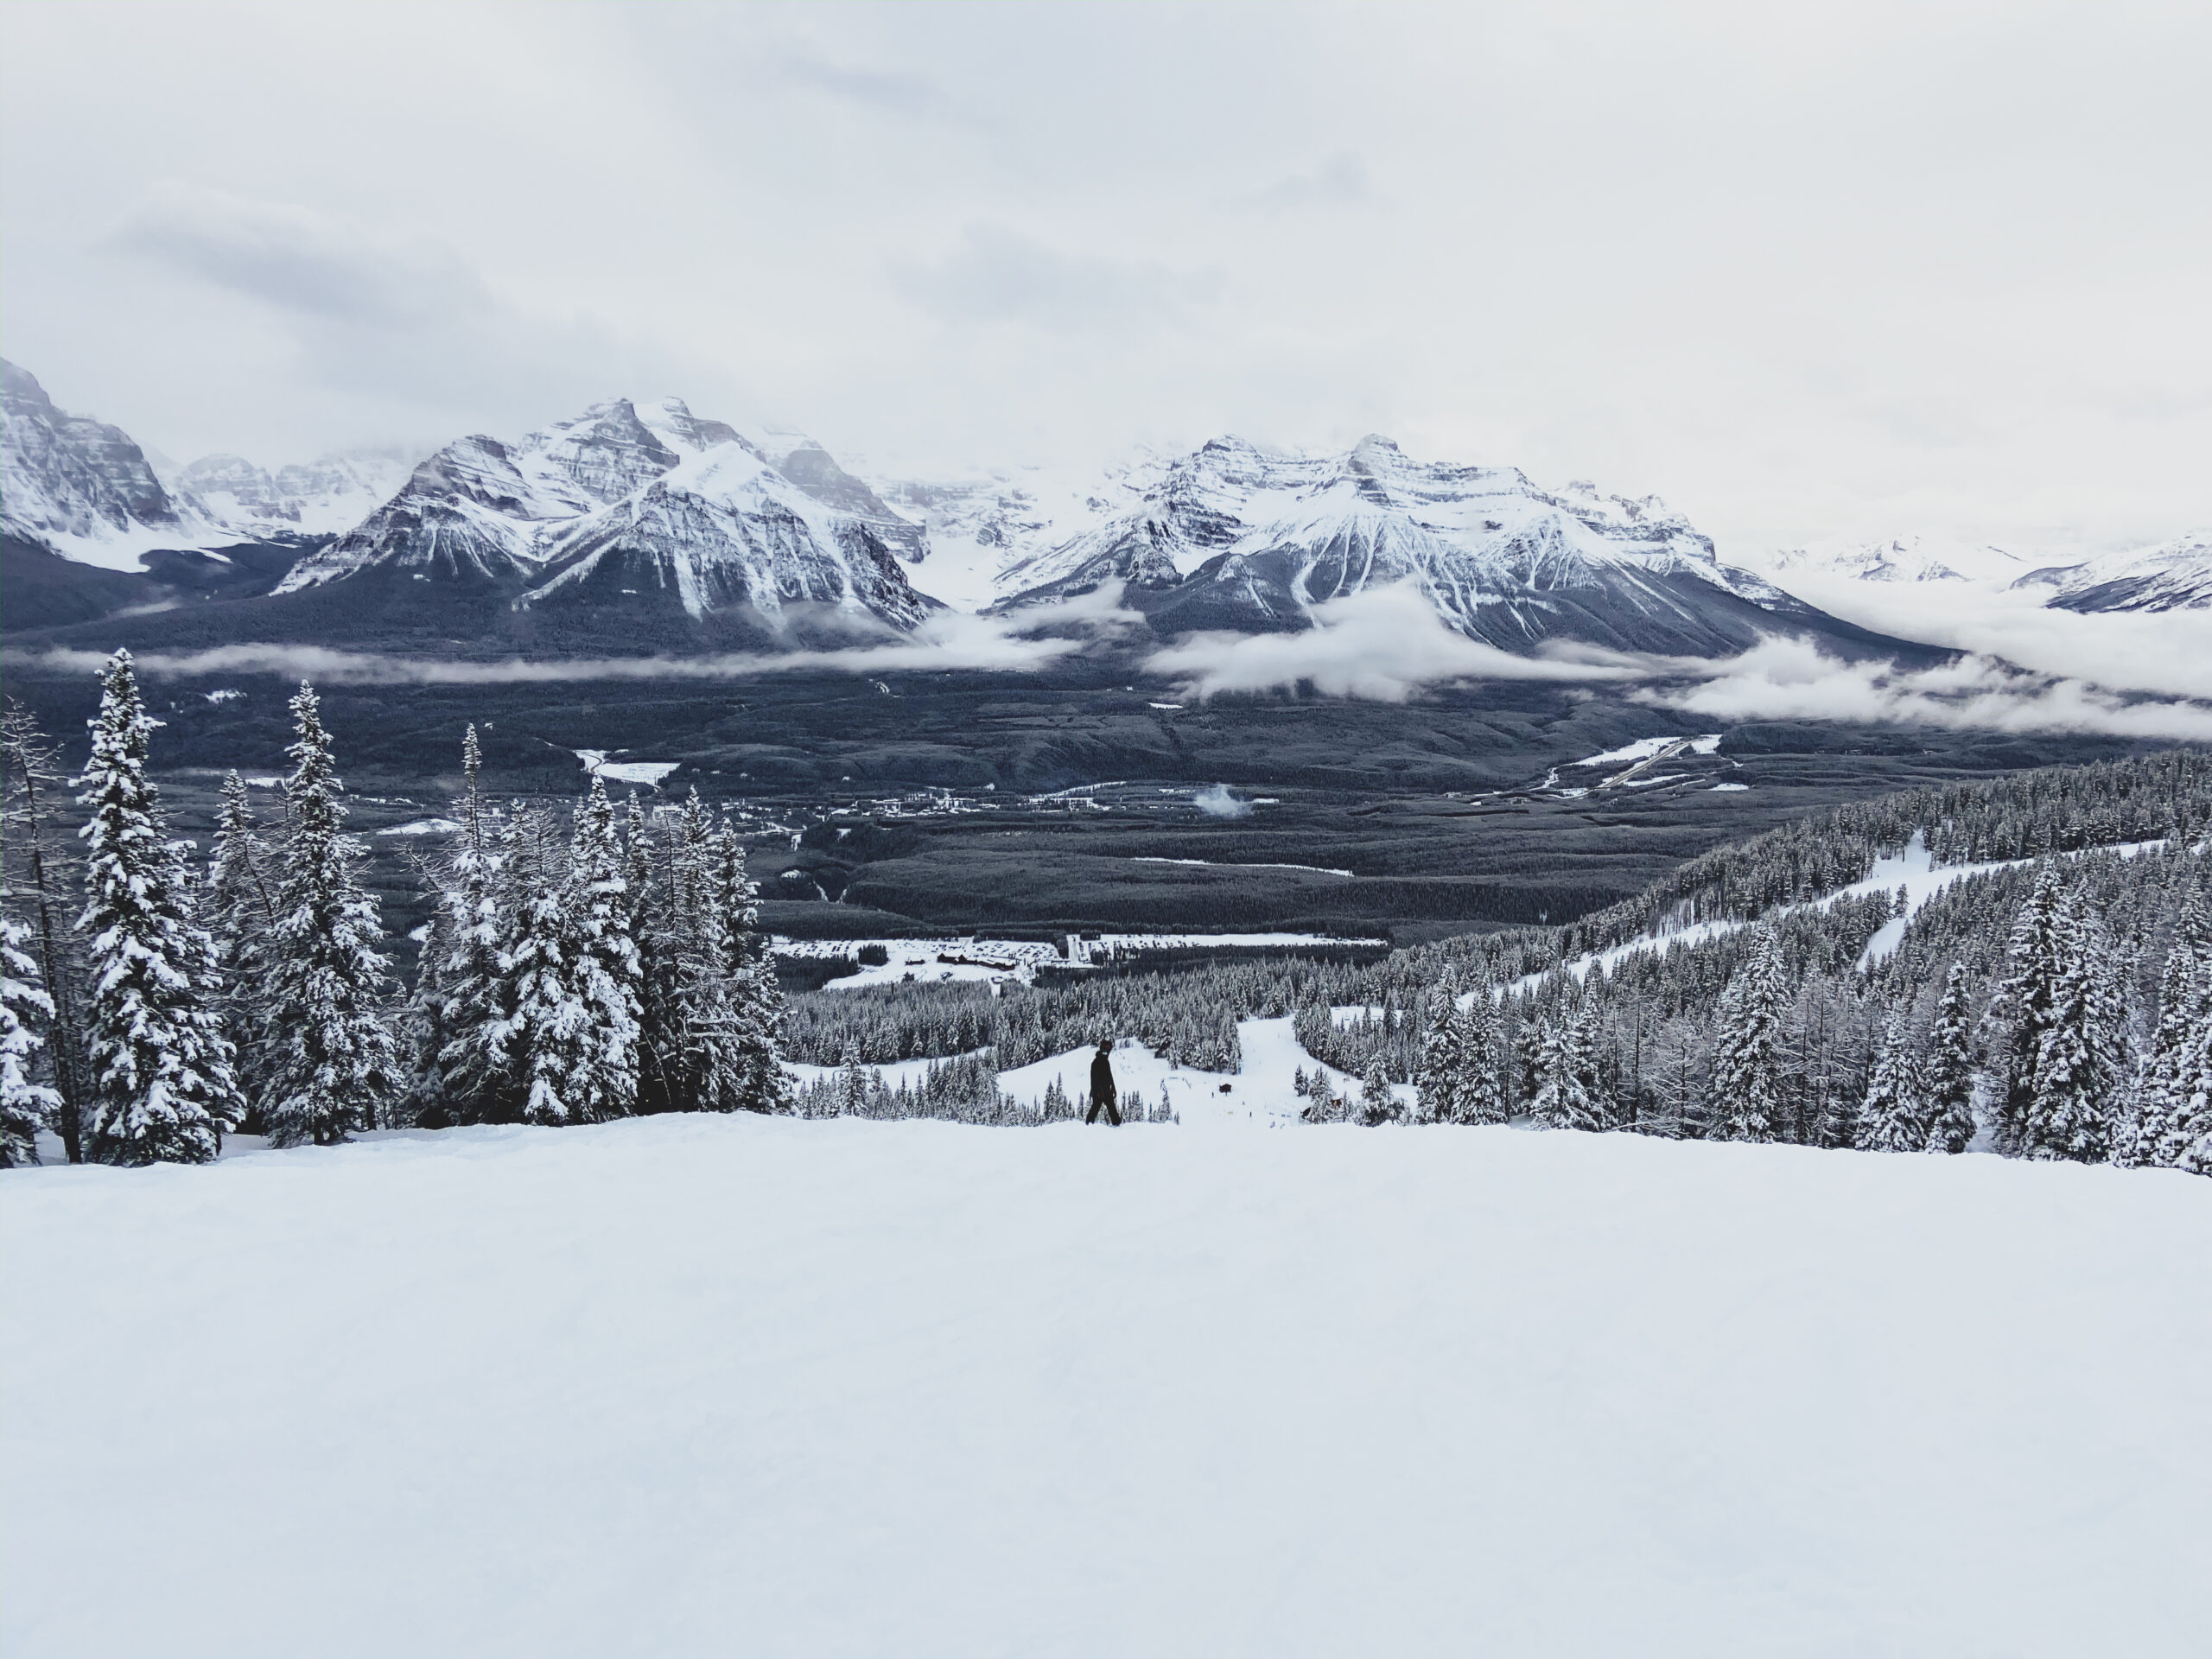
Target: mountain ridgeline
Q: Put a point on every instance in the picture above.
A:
(638, 527)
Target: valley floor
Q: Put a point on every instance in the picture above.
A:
(737, 1385)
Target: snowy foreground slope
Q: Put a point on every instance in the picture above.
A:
(714, 1385)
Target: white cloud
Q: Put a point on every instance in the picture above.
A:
(1790, 679)
(1032, 641)
(1382, 644)
(1215, 802)
(2123, 649)
(1387, 645)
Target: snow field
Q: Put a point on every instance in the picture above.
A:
(690, 1385)
(1646, 748)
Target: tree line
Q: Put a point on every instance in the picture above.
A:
(569, 974)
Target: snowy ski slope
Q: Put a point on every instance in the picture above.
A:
(711, 1386)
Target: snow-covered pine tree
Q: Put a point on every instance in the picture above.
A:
(580, 1009)
(1591, 1098)
(756, 1002)
(475, 1072)
(1528, 1070)
(2174, 1127)
(422, 1033)
(541, 1035)
(1439, 1077)
(34, 774)
(240, 911)
(2140, 1137)
(2020, 1012)
(693, 990)
(2186, 1142)
(240, 906)
(661, 1070)
(25, 1107)
(2077, 1068)
(1568, 1094)
(161, 1088)
(332, 1063)
(1947, 1073)
(1747, 1080)
(1894, 1116)
(852, 1083)
(1377, 1102)
(1550, 1101)
(1480, 1097)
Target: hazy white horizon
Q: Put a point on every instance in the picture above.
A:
(1857, 272)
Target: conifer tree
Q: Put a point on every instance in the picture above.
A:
(756, 1002)
(25, 1107)
(2020, 1012)
(1946, 1077)
(574, 1029)
(1592, 1100)
(160, 1086)
(1568, 1093)
(1528, 1032)
(240, 908)
(2076, 1066)
(1378, 1103)
(475, 1073)
(34, 773)
(331, 1065)
(1481, 1097)
(852, 1083)
(1894, 1116)
(240, 911)
(660, 1025)
(423, 1033)
(1440, 1076)
(1747, 1080)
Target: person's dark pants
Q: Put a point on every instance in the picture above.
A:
(1113, 1112)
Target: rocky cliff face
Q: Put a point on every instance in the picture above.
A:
(75, 485)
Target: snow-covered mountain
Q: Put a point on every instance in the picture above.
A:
(2174, 576)
(983, 525)
(321, 497)
(1232, 535)
(639, 509)
(1911, 558)
(76, 486)
(2169, 576)
(86, 490)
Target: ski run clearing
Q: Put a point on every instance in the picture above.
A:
(706, 1385)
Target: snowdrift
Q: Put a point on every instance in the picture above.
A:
(712, 1386)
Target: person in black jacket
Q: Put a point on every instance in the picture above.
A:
(1103, 1092)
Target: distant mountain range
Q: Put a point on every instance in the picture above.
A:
(641, 527)
(2175, 575)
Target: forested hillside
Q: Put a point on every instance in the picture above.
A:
(2038, 981)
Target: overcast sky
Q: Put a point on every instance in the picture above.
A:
(1806, 270)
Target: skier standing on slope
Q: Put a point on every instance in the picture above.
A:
(1103, 1092)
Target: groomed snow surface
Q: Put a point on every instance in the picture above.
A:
(713, 1386)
